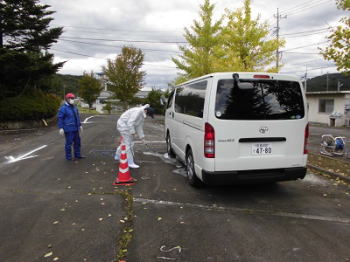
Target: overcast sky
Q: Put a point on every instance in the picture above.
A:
(95, 30)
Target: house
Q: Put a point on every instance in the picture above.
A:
(143, 93)
(331, 108)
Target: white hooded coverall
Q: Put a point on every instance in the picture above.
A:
(130, 123)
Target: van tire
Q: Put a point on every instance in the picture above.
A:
(169, 149)
(193, 180)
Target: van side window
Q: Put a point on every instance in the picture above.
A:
(189, 99)
(170, 99)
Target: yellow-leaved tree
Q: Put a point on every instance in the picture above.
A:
(246, 43)
(339, 47)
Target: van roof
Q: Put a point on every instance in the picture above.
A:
(246, 75)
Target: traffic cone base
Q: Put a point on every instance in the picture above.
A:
(124, 177)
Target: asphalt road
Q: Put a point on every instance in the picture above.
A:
(69, 211)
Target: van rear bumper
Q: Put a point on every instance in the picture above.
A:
(252, 176)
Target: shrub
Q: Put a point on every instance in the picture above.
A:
(35, 105)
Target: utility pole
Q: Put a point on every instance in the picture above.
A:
(327, 83)
(278, 17)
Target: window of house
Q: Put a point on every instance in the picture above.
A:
(326, 105)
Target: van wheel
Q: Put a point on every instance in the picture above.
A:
(193, 180)
(168, 146)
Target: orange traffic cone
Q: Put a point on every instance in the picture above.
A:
(124, 177)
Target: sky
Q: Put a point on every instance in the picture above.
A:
(95, 31)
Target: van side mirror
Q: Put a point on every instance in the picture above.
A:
(163, 100)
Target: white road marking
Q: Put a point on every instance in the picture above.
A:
(11, 159)
(86, 120)
(150, 142)
(245, 210)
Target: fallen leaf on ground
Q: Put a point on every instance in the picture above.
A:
(122, 221)
(48, 254)
(109, 215)
(55, 259)
(159, 218)
(55, 222)
(100, 219)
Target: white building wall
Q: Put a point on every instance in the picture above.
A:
(316, 116)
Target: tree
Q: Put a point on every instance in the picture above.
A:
(245, 43)
(89, 88)
(198, 58)
(339, 47)
(124, 75)
(153, 98)
(25, 38)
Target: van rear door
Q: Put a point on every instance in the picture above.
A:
(259, 124)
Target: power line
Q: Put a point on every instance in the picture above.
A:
(309, 31)
(70, 52)
(298, 47)
(127, 41)
(116, 46)
(114, 30)
(306, 53)
(299, 9)
(296, 6)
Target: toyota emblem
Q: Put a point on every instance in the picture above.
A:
(263, 129)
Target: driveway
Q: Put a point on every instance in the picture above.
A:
(54, 210)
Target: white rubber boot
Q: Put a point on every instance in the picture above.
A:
(133, 165)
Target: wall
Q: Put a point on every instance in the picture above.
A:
(315, 116)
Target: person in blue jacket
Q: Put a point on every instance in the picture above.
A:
(69, 125)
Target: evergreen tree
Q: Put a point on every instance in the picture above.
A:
(89, 88)
(124, 74)
(198, 57)
(339, 47)
(245, 46)
(25, 38)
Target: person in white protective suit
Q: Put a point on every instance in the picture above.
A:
(129, 125)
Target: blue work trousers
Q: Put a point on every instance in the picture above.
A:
(72, 138)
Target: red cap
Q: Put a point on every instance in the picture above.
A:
(70, 95)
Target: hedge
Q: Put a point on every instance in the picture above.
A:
(35, 105)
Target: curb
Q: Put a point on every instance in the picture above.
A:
(347, 179)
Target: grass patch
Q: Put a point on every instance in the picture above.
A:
(87, 111)
(329, 163)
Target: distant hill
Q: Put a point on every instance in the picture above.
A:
(70, 82)
(319, 83)
(62, 84)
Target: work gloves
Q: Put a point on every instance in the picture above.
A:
(61, 131)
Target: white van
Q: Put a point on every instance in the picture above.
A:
(239, 127)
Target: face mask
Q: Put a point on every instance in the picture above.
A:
(71, 101)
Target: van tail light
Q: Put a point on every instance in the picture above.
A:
(209, 141)
(306, 138)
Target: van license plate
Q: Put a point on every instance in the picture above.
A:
(261, 149)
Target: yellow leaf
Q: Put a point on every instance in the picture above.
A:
(48, 254)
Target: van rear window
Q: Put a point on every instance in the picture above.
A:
(259, 100)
